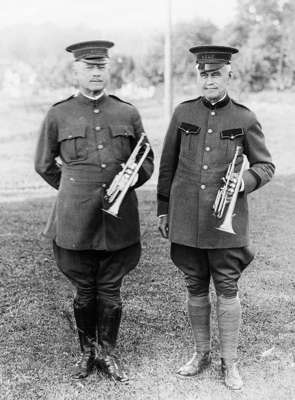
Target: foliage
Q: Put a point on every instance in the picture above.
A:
(121, 70)
(265, 33)
(263, 30)
(184, 36)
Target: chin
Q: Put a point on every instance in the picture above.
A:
(95, 88)
(213, 95)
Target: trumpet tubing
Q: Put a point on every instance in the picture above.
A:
(224, 198)
(117, 190)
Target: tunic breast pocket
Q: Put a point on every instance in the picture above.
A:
(189, 139)
(73, 144)
(230, 140)
(122, 137)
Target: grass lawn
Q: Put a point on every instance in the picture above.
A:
(38, 340)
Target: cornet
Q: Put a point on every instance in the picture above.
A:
(226, 199)
(123, 180)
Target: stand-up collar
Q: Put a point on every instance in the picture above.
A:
(219, 104)
(86, 100)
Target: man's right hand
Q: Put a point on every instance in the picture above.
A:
(163, 226)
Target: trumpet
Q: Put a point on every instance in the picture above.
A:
(226, 199)
(119, 186)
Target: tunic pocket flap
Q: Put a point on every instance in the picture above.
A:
(122, 130)
(232, 133)
(71, 132)
(188, 129)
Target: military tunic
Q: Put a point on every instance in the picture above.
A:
(92, 138)
(200, 144)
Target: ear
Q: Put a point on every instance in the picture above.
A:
(230, 74)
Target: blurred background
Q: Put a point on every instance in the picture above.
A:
(35, 71)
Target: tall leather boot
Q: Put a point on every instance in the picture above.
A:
(108, 323)
(86, 326)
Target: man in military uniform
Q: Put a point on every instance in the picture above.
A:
(201, 141)
(93, 133)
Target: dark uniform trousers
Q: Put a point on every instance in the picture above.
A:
(97, 276)
(224, 265)
(95, 273)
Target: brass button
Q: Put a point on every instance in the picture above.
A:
(100, 146)
(232, 137)
(205, 167)
(103, 165)
(97, 128)
(104, 185)
(203, 187)
(70, 137)
(213, 113)
(207, 148)
(96, 110)
(210, 130)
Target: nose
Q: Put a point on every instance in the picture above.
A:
(209, 80)
(96, 71)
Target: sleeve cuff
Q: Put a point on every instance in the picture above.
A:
(251, 181)
(163, 207)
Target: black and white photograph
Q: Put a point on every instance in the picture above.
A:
(147, 212)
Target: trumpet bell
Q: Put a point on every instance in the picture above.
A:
(113, 211)
(226, 228)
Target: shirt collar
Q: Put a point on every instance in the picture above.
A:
(94, 98)
(88, 99)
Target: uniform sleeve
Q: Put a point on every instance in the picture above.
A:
(147, 168)
(46, 152)
(168, 164)
(261, 167)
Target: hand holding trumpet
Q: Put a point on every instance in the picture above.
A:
(233, 183)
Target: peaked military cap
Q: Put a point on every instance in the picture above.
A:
(211, 58)
(92, 52)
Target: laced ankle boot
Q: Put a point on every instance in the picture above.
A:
(232, 378)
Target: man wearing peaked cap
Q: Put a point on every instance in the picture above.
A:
(203, 138)
(92, 52)
(93, 133)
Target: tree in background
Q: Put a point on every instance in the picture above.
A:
(263, 30)
(122, 69)
(184, 36)
(265, 33)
